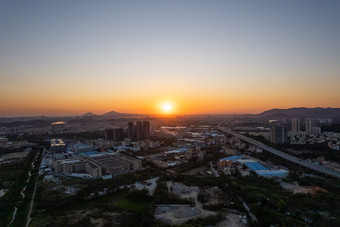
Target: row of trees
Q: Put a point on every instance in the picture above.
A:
(272, 204)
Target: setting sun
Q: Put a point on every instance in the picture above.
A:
(167, 107)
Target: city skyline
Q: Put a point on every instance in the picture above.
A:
(170, 57)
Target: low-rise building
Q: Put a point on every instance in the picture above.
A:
(272, 173)
(70, 166)
(80, 148)
(98, 165)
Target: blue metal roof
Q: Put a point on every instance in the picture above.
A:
(271, 172)
(178, 150)
(232, 158)
(85, 154)
(255, 166)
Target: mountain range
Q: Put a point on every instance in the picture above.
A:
(296, 112)
(301, 112)
(111, 114)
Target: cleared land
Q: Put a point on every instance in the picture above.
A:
(16, 155)
(2, 192)
(177, 214)
(149, 185)
(232, 220)
(296, 188)
(200, 171)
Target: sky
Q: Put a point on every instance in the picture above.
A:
(217, 57)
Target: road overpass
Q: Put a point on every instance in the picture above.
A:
(304, 163)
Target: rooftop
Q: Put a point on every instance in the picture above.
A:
(89, 153)
(232, 158)
(255, 166)
(271, 172)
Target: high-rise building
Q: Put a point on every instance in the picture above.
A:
(146, 129)
(295, 125)
(130, 130)
(309, 125)
(278, 134)
(118, 134)
(135, 131)
(139, 130)
(109, 134)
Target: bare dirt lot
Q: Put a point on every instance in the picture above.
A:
(198, 171)
(98, 222)
(214, 194)
(182, 190)
(16, 155)
(232, 220)
(176, 214)
(296, 188)
(149, 185)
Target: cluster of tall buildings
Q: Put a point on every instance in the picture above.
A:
(296, 125)
(278, 134)
(139, 130)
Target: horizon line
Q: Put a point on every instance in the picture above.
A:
(166, 115)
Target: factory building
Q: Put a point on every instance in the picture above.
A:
(98, 165)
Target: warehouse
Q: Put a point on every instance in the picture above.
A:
(272, 173)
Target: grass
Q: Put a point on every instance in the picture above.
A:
(9, 176)
(127, 204)
(130, 205)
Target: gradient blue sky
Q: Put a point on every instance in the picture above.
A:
(70, 57)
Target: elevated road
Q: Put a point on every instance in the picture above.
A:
(291, 158)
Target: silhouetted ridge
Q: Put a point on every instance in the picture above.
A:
(300, 112)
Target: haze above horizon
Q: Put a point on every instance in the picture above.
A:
(167, 57)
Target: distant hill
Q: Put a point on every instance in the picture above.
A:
(112, 114)
(89, 114)
(302, 112)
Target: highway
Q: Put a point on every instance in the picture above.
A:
(309, 165)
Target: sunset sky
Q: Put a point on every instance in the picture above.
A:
(72, 57)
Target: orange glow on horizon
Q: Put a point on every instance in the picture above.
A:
(30, 101)
(58, 106)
